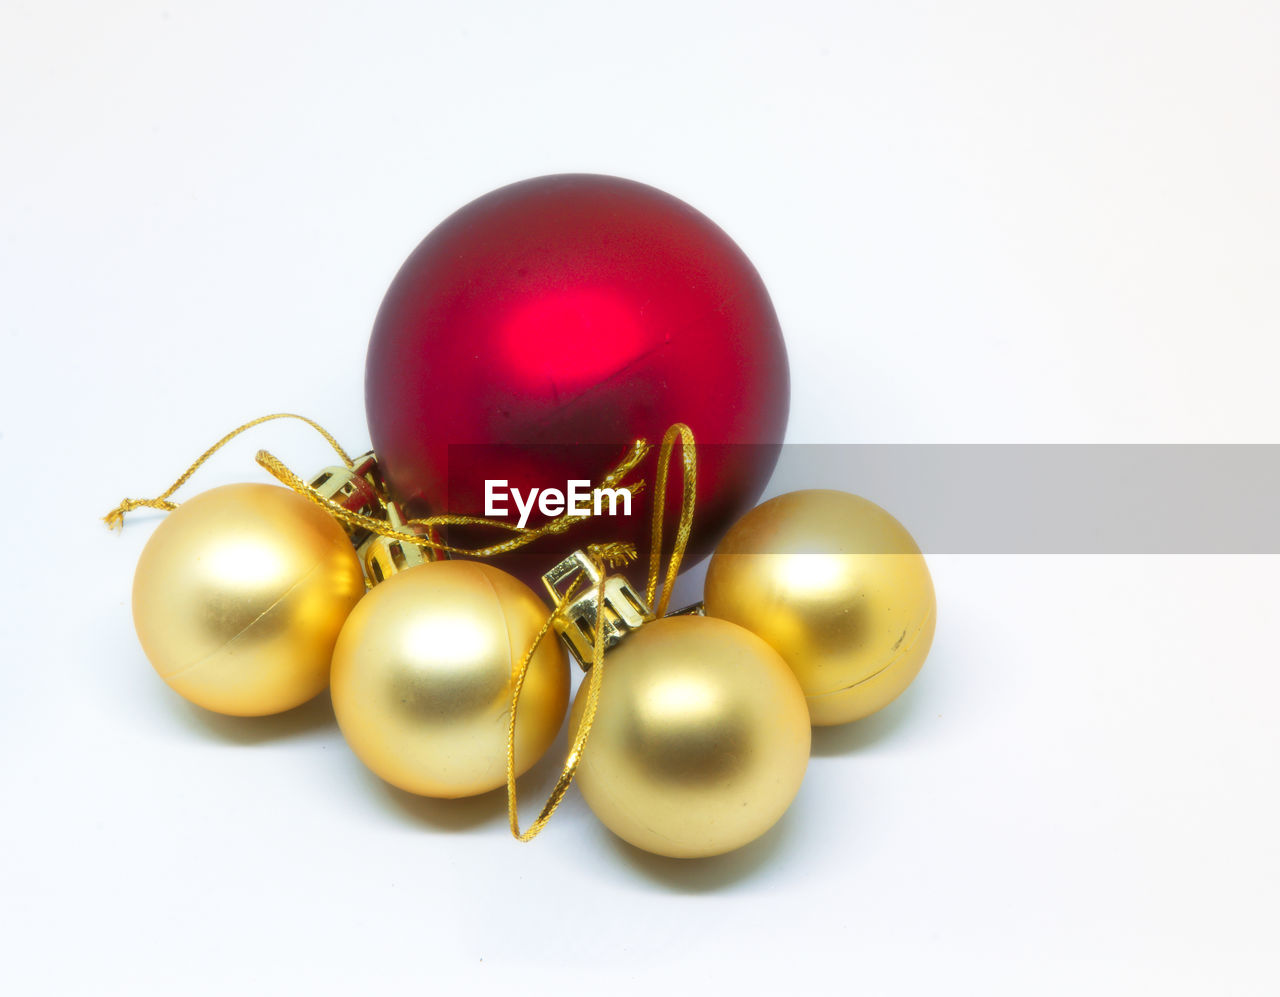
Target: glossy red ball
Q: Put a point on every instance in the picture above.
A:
(545, 326)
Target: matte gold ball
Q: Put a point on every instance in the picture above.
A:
(239, 596)
(422, 678)
(700, 740)
(838, 587)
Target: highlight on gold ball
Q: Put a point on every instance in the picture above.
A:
(835, 585)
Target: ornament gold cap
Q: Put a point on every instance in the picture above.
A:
(355, 488)
(619, 610)
(383, 557)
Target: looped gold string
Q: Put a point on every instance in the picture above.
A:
(115, 518)
(689, 460)
(610, 555)
(520, 535)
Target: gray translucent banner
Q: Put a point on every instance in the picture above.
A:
(1056, 499)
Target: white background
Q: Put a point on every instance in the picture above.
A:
(980, 222)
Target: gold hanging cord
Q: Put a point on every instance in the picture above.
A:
(115, 518)
(519, 536)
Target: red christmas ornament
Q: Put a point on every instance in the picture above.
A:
(541, 329)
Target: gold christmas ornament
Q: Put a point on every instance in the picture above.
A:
(239, 596)
(838, 587)
(422, 672)
(819, 609)
(700, 738)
